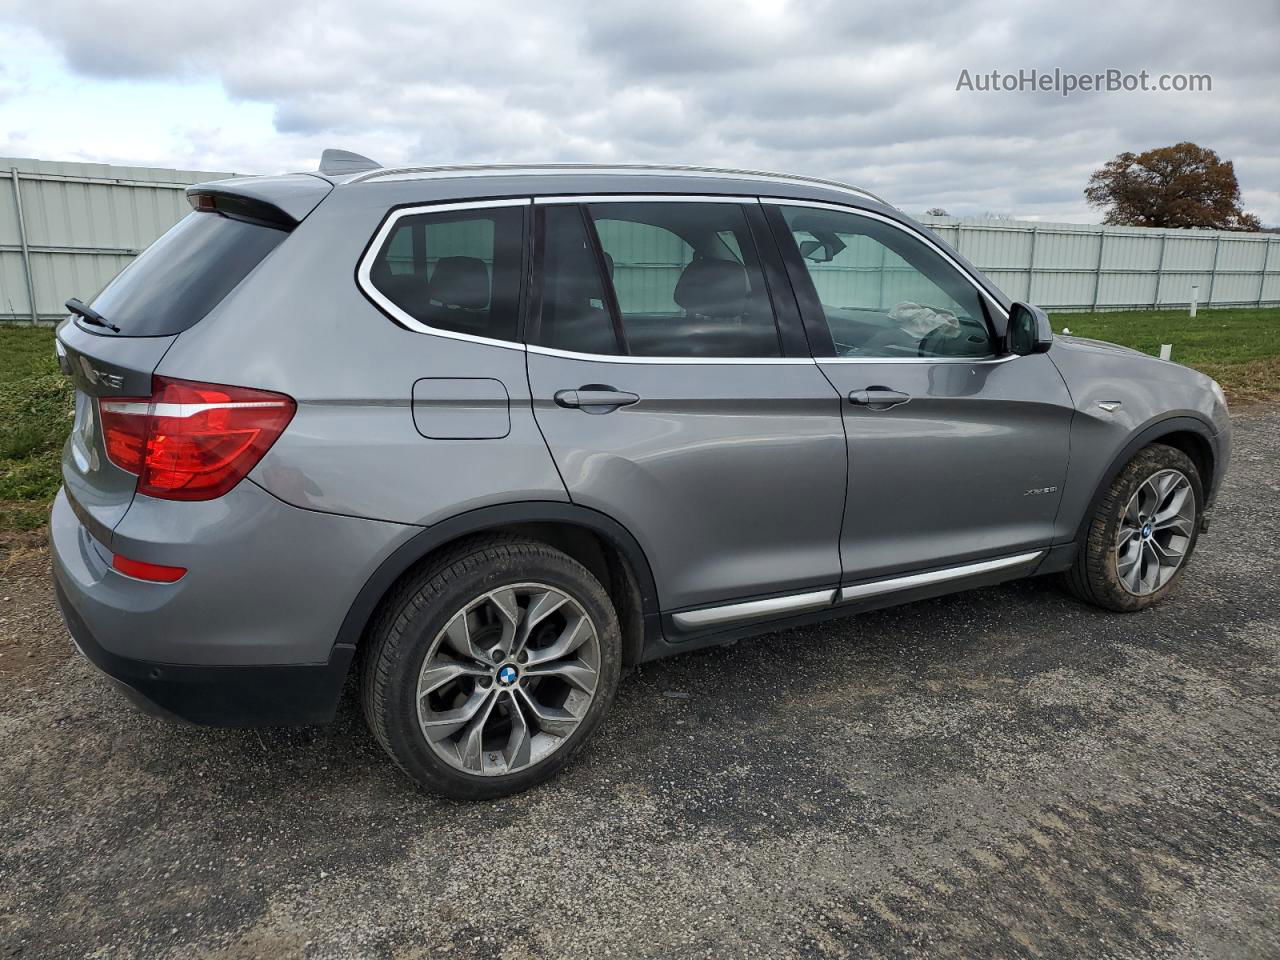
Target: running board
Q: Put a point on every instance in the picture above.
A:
(817, 599)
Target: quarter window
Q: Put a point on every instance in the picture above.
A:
(884, 294)
(681, 279)
(457, 270)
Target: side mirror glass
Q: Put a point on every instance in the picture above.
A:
(1029, 330)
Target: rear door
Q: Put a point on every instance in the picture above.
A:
(171, 286)
(676, 401)
(957, 453)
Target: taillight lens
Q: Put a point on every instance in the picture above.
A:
(192, 441)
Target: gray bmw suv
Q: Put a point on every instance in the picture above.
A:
(489, 435)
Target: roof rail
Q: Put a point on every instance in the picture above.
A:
(490, 169)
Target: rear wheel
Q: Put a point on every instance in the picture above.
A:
(1142, 532)
(487, 671)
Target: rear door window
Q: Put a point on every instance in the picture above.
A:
(455, 270)
(680, 279)
(177, 280)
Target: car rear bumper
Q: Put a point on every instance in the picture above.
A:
(247, 636)
(220, 696)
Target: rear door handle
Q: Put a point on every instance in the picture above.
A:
(878, 398)
(595, 398)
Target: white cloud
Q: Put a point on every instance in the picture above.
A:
(863, 92)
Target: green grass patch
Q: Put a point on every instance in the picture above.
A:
(36, 405)
(1239, 348)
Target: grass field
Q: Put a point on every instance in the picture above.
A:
(35, 415)
(1239, 348)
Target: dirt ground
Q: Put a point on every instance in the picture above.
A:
(1003, 773)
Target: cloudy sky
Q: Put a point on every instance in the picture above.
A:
(864, 92)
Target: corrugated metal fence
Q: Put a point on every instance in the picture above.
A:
(1063, 266)
(68, 228)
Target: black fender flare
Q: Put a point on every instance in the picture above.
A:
(1143, 437)
(491, 518)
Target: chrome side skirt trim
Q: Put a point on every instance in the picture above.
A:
(817, 599)
(893, 584)
(754, 609)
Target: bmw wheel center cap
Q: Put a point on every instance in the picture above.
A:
(507, 675)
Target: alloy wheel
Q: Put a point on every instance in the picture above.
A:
(508, 679)
(1155, 533)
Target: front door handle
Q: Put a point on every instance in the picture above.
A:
(595, 398)
(878, 398)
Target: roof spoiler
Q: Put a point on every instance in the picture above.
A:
(337, 163)
(281, 201)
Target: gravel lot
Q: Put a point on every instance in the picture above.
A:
(1005, 773)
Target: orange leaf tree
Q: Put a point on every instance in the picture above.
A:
(1184, 185)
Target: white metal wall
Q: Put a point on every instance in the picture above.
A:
(1063, 266)
(80, 223)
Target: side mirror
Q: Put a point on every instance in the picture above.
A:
(1029, 330)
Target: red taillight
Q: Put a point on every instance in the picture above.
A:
(155, 572)
(192, 441)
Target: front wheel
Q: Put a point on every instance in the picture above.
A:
(1142, 532)
(487, 671)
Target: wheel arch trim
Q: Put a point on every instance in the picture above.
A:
(1146, 435)
(489, 518)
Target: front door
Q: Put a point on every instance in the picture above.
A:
(956, 452)
(674, 400)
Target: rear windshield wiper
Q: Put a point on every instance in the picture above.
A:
(90, 315)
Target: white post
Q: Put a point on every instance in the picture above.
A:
(1195, 297)
(1166, 351)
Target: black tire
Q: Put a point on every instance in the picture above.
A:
(1094, 576)
(412, 617)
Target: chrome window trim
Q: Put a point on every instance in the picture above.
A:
(706, 361)
(643, 198)
(364, 268)
(973, 360)
(751, 609)
(872, 215)
(876, 588)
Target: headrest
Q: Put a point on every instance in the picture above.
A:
(461, 282)
(713, 288)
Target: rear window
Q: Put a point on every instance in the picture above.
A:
(183, 275)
